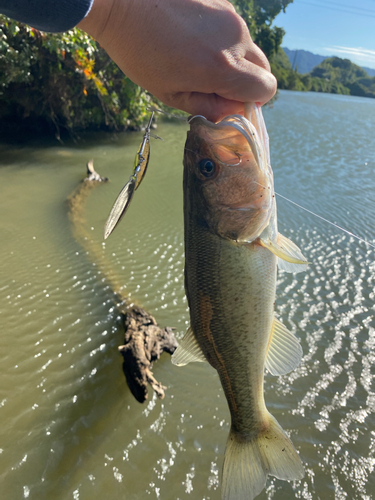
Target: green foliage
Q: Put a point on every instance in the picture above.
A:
(364, 87)
(63, 81)
(281, 68)
(259, 15)
(337, 69)
(286, 77)
(333, 75)
(66, 81)
(341, 76)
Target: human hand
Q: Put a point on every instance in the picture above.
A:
(194, 55)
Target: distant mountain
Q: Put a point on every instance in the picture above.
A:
(305, 61)
(370, 71)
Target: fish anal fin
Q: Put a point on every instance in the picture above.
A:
(284, 350)
(290, 256)
(188, 350)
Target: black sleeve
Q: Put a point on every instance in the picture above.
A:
(47, 15)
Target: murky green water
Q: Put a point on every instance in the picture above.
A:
(70, 428)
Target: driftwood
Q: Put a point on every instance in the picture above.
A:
(144, 340)
(92, 175)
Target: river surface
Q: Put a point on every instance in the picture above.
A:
(70, 428)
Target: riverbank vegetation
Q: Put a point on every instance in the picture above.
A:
(333, 75)
(62, 82)
(66, 81)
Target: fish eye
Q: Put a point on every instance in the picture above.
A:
(207, 167)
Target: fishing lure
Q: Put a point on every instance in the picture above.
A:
(126, 194)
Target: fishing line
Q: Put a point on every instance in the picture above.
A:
(170, 115)
(320, 217)
(326, 220)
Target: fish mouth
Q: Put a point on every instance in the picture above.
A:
(239, 122)
(228, 137)
(238, 209)
(247, 207)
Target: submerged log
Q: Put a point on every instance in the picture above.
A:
(144, 343)
(144, 340)
(92, 174)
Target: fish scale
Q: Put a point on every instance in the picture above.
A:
(240, 287)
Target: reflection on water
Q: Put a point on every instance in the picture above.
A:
(71, 429)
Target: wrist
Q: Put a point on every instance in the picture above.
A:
(98, 18)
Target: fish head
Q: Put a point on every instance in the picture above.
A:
(228, 183)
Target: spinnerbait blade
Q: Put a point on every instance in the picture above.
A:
(126, 194)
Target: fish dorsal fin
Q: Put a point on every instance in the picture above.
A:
(284, 350)
(188, 350)
(290, 256)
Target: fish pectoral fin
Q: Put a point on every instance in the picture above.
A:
(284, 351)
(290, 256)
(188, 350)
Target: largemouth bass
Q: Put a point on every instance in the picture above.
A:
(232, 249)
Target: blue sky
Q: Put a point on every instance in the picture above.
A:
(331, 27)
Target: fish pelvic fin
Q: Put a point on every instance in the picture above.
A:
(290, 256)
(188, 350)
(249, 460)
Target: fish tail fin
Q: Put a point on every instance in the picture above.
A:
(248, 461)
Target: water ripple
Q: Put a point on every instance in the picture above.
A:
(70, 427)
